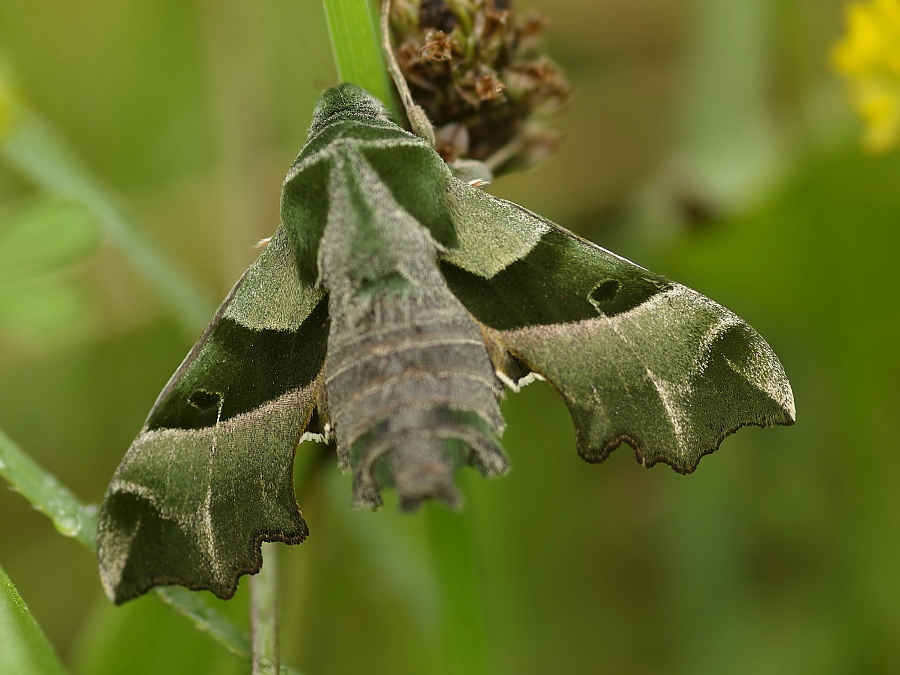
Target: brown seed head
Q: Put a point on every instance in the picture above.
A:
(477, 69)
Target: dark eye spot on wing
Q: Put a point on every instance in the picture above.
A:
(204, 400)
(237, 369)
(615, 296)
(604, 292)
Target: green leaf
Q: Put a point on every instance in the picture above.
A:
(24, 650)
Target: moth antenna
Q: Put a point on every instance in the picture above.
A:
(479, 182)
(418, 120)
(263, 242)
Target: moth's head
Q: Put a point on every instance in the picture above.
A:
(346, 102)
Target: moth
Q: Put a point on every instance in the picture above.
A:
(385, 315)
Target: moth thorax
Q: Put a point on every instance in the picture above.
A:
(411, 394)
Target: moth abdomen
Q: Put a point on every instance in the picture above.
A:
(411, 389)
(418, 452)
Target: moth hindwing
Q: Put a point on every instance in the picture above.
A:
(389, 306)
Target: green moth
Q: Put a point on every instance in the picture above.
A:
(385, 315)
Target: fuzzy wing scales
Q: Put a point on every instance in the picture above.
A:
(638, 359)
(210, 475)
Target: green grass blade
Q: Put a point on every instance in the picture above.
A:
(44, 492)
(24, 649)
(356, 45)
(207, 620)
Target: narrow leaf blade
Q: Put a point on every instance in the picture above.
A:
(356, 44)
(44, 492)
(25, 649)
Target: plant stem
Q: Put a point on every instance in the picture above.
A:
(264, 614)
(356, 45)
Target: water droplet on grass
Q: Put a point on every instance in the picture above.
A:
(67, 523)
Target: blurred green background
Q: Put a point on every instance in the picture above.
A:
(707, 140)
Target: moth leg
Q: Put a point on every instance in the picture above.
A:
(510, 369)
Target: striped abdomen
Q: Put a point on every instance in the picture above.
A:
(411, 395)
(411, 391)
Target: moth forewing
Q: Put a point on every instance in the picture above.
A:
(210, 476)
(638, 359)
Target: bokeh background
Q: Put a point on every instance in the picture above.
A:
(709, 140)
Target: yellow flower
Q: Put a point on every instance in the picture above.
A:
(869, 59)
